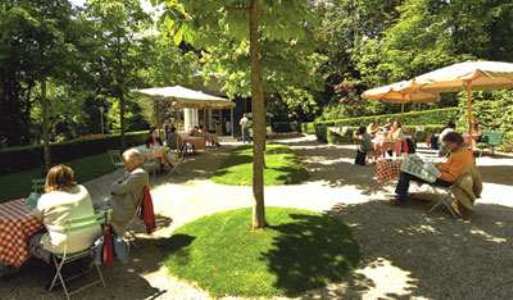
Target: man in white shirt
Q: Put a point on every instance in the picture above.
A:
(244, 126)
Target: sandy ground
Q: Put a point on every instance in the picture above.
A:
(406, 253)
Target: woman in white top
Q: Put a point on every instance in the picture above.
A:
(63, 202)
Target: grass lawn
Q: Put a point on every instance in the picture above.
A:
(18, 185)
(300, 251)
(282, 167)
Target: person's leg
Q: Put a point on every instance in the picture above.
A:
(403, 185)
(442, 183)
(36, 248)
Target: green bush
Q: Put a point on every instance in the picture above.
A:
(434, 116)
(308, 128)
(30, 157)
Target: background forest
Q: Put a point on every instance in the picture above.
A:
(91, 55)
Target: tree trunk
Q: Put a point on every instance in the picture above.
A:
(257, 95)
(46, 128)
(122, 105)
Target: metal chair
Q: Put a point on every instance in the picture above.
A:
(61, 259)
(490, 139)
(38, 185)
(445, 199)
(115, 158)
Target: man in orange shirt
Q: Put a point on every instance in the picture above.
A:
(460, 160)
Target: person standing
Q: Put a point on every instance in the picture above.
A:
(244, 126)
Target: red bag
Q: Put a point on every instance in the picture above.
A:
(146, 213)
(108, 247)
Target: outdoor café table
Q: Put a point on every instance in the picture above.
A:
(17, 226)
(387, 170)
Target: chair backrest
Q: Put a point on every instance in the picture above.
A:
(494, 138)
(38, 185)
(81, 223)
(115, 157)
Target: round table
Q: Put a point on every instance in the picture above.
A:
(17, 226)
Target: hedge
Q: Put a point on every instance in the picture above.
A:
(432, 120)
(433, 116)
(30, 157)
(344, 134)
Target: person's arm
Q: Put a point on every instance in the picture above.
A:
(121, 186)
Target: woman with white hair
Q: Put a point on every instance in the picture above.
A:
(128, 192)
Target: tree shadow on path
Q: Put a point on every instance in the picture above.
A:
(439, 257)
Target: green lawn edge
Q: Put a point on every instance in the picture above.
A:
(283, 167)
(300, 251)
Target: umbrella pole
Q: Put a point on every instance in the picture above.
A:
(470, 115)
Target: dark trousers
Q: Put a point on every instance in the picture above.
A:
(401, 191)
(360, 158)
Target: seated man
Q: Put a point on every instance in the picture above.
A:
(63, 201)
(128, 192)
(460, 160)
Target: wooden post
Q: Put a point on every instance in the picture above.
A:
(470, 114)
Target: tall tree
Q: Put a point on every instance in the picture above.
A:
(119, 28)
(37, 45)
(252, 33)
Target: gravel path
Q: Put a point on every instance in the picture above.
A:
(406, 253)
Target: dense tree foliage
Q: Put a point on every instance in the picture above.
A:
(316, 56)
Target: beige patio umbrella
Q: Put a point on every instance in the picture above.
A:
(469, 76)
(398, 93)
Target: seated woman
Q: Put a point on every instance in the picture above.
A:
(128, 192)
(154, 142)
(63, 202)
(460, 160)
(195, 131)
(210, 138)
(373, 128)
(396, 137)
(173, 140)
(474, 137)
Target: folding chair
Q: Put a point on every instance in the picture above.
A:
(38, 185)
(445, 199)
(61, 259)
(115, 158)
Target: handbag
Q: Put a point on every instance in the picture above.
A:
(108, 247)
(146, 213)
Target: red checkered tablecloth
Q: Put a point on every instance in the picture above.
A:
(387, 170)
(17, 225)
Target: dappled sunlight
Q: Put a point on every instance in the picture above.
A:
(426, 251)
(488, 237)
(389, 281)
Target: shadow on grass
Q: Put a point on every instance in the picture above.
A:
(177, 245)
(311, 252)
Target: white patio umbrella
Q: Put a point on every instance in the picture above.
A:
(396, 93)
(469, 76)
(186, 98)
